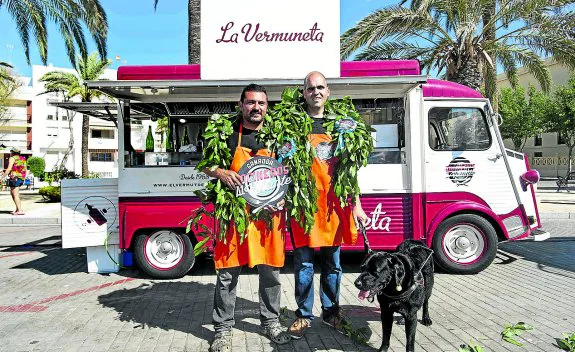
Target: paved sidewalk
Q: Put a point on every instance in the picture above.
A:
(36, 209)
(49, 303)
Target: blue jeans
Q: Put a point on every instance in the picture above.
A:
(330, 280)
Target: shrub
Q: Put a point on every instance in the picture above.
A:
(37, 166)
(59, 174)
(50, 193)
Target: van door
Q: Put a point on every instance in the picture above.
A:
(463, 159)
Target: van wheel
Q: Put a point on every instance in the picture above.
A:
(464, 244)
(164, 254)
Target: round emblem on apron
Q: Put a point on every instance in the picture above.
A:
(324, 150)
(460, 171)
(264, 181)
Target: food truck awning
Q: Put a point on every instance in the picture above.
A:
(174, 91)
(109, 111)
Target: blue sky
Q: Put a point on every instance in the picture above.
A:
(139, 35)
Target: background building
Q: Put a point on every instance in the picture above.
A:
(547, 152)
(16, 122)
(53, 127)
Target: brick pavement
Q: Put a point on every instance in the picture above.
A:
(49, 303)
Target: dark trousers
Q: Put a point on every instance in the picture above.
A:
(225, 296)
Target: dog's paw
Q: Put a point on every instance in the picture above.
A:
(426, 321)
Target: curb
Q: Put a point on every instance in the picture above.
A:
(545, 216)
(21, 221)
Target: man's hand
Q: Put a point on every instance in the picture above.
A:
(279, 206)
(230, 178)
(359, 215)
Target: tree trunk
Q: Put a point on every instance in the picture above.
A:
(468, 73)
(194, 8)
(85, 135)
(490, 81)
(569, 161)
(71, 140)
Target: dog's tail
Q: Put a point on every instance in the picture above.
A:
(366, 246)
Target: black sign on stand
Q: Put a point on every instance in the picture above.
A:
(264, 182)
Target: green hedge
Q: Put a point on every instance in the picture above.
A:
(51, 193)
(37, 166)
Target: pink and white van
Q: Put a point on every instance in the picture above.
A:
(440, 172)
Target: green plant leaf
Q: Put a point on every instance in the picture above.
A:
(512, 341)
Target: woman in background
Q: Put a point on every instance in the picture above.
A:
(16, 172)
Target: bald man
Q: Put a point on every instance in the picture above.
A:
(333, 225)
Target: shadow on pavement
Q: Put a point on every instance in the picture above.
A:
(181, 306)
(187, 307)
(554, 253)
(56, 260)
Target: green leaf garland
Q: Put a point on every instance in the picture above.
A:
(216, 154)
(288, 120)
(358, 146)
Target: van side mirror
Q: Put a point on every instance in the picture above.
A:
(529, 178)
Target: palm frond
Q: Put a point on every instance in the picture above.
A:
(71, 17)
(391, 23)
(392, 50)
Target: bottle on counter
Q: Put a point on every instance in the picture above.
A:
(150, 140)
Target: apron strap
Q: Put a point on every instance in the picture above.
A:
(240, 135)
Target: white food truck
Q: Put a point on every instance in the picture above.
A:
(439, 173)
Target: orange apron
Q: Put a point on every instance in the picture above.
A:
(333, 224)
(261, 246)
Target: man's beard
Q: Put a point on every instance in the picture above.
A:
(254, 119)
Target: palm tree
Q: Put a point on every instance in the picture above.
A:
(4, 74)
(70, 16)
(466, 39)
(72, 86)
(193, 30)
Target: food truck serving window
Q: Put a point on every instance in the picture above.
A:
(458, 129)
(167, 141)
(387, 117)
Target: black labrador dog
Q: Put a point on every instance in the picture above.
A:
(402, 282)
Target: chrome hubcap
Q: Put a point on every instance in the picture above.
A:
(464, 244)
(164, 249)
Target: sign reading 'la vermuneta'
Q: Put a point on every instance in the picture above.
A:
(261, 39)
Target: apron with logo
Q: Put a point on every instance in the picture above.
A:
(333, 224)
(260, 246)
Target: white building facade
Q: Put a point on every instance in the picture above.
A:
(16, 122)
(53, 127)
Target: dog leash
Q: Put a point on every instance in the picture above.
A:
(365, 240)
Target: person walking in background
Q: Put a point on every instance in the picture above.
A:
(333, 223)
(16, 173)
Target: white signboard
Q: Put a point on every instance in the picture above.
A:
(256, 39)
(89, 212)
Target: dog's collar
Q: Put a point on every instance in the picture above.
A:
(418, 281)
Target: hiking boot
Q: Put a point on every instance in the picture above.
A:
(298, 328)
(222, 342)
(277, 333)
(338, 322)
